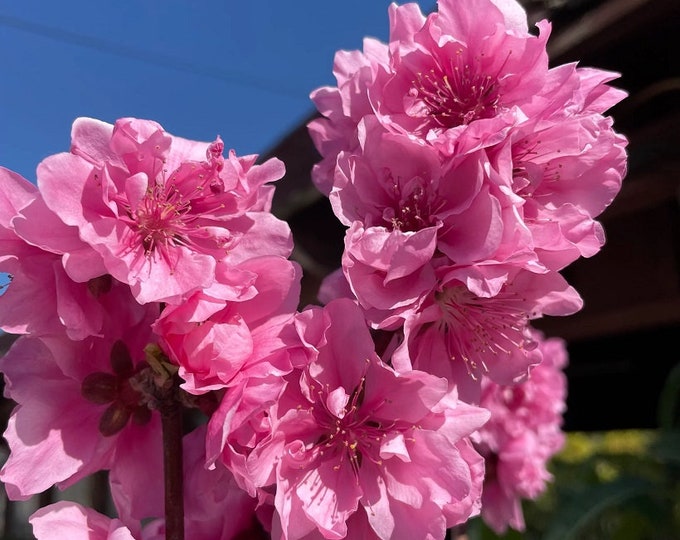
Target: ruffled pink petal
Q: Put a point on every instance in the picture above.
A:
(66, 520)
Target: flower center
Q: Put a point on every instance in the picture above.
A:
(162, 219)
(353, 436)
(456, 94)
(414, 205)
(173, 211)
(477, 327)
(532, 165)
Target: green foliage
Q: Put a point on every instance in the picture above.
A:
(618, 485)
(615, 485)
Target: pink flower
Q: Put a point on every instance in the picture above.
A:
(411, 214)
(524, 432)
(567, 163)
(343, 107)
(240, 423)
(67, 520)
(464, 335)
(79, 410)
(30, 270)
(159, 210)
(243, 418)
(218, 340)
(15, 194)
(389, 272)
(389, 181)
(471, 77)
(459, 78)
(34, 242)
(401, 186)
(348, 431)
(465, 74)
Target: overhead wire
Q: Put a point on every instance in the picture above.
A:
(149, 57)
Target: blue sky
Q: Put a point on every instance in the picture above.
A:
(240, 69)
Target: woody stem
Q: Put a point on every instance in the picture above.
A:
(171, 421)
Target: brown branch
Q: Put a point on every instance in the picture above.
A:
(171, 421)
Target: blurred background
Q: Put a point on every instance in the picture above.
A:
(245, 72)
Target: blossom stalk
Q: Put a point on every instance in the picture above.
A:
(171, 422)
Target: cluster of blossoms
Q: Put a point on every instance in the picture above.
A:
(469, 174)
(414, 397)
(139, 260)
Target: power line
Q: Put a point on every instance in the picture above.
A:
(154, 58)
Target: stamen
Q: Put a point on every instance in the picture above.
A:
(475, 328)
(352, 437)
(167, 216)
(414, 203)
(456, 94)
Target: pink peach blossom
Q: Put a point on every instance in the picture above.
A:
(567, 163)
(349, 432)
(30, 271)
(240, 423)
(389, 272)
(159, 210)
(458, 82)
(88, 415)
(411, 214)
(523, 434)
(34, 243)
(456, 78)
(342, 107)
(464, 335)
(461, 75)
(216, 341)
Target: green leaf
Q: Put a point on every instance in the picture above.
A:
(583, 508)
